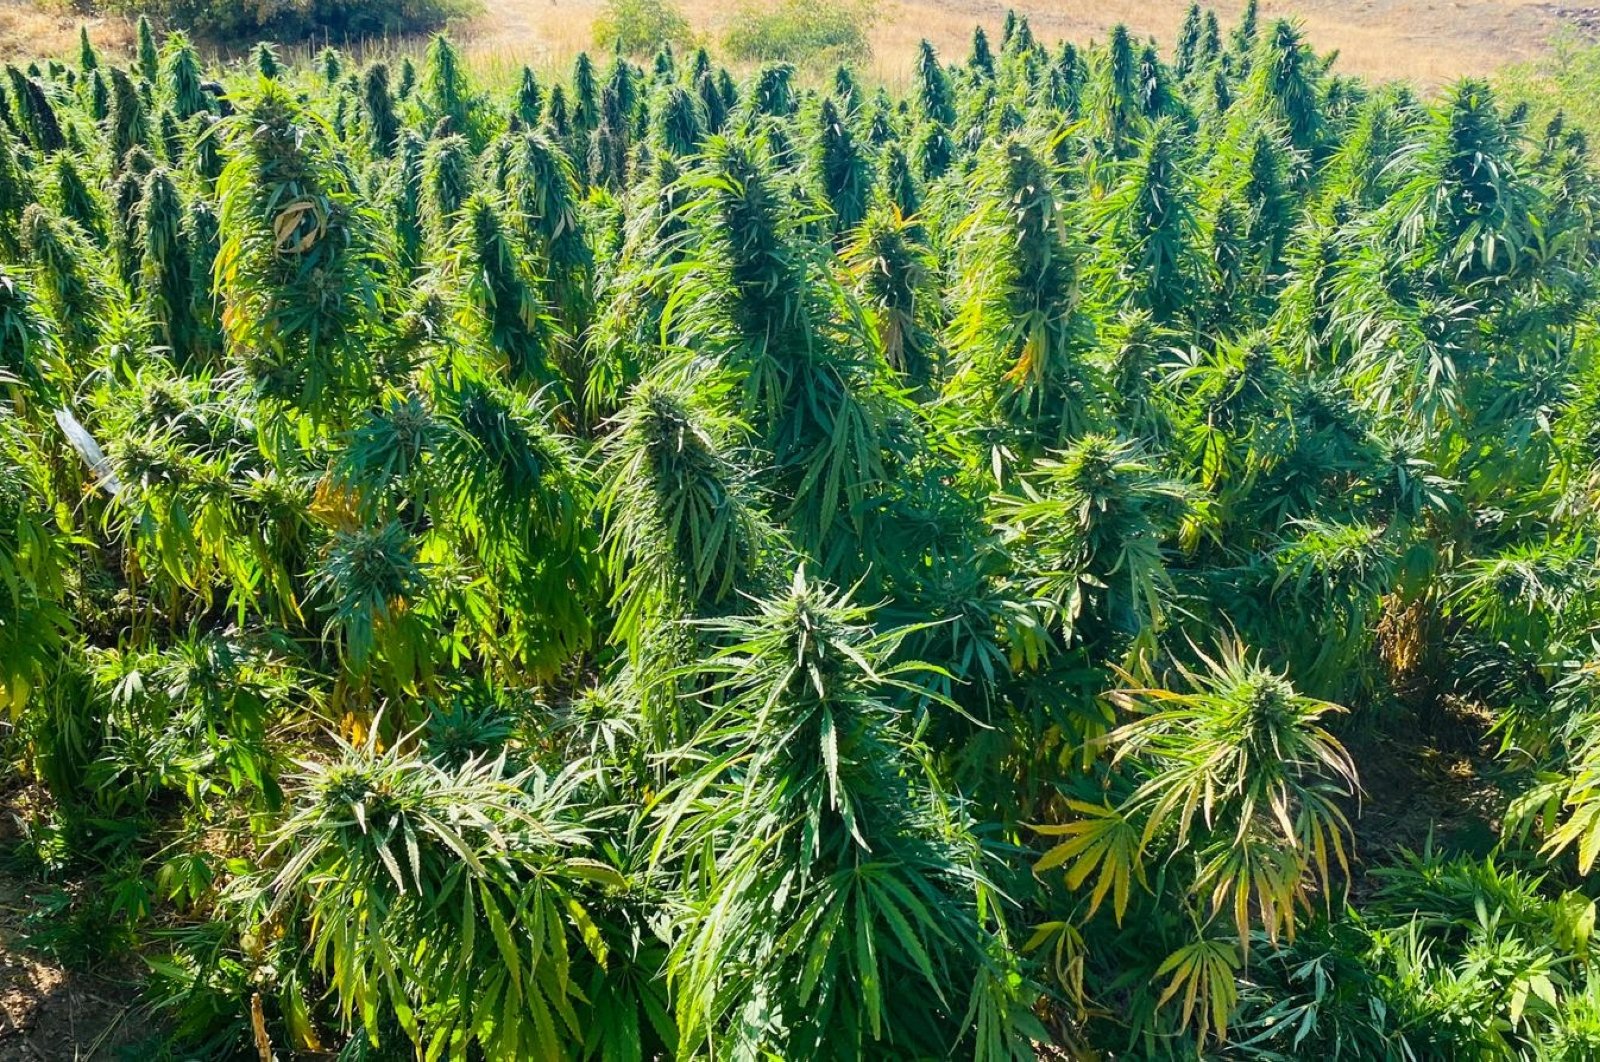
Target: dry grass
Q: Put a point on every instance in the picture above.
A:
(1425, 41)
(28, 30)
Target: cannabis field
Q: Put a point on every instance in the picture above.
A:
(663, 563)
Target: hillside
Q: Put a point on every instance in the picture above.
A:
(1429, 41)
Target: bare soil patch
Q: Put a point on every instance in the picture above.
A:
(49, 1013)
(1433, 782)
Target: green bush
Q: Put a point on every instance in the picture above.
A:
(286, 20)
(640, 26)
(1560, 81)
(800, 30)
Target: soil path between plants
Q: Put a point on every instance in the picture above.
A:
(53, 1014)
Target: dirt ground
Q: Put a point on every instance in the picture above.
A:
(1432, 782)
(51, 1014)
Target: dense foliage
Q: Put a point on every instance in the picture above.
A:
(639, 27)
(231, 22)
(666, 564)
(800, 31)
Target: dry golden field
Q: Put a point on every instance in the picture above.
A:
(1427, 41)
(28, 30)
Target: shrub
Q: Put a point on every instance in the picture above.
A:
(292, 19)
(640, 26)
(800, 30)
(1558, 82)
